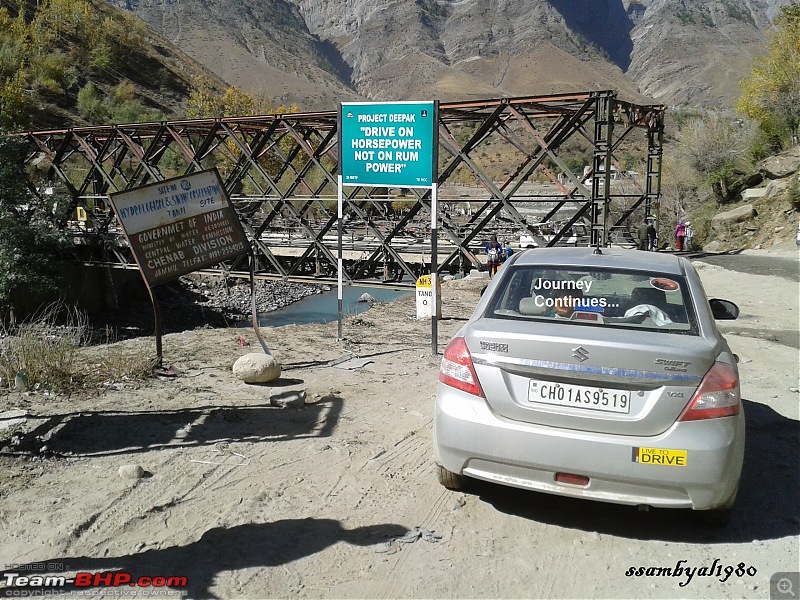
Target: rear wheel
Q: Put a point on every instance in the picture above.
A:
(450, 480)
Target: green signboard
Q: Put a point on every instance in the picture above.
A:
(387, 144)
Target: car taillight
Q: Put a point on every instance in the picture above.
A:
(457, 370)
(717, 396)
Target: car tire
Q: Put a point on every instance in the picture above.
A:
(450, 480)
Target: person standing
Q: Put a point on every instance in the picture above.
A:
(652, 236)
(508, 251)
(494, 255)
(642, 235)
(680, 235)
(688, 241)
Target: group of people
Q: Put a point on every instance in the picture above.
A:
(648, 237)
(683, 235)
(496, 254)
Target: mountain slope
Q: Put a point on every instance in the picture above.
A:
(88, 65)
(695, 52)
(317, 52)
(462, 50)
(258, 45)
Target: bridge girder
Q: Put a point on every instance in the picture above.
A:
(280, 172)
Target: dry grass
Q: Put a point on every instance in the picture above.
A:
(44, 353)
(112, 362)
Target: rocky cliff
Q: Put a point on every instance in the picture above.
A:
(318, 52)
(695, 52)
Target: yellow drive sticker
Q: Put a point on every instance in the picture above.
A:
(659, 456)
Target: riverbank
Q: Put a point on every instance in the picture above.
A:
(195, 301)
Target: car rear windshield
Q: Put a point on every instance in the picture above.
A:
(600, 298)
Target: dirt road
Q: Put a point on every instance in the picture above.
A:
(339, 498)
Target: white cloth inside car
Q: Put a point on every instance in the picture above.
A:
(659, 316)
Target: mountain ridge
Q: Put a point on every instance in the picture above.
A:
(317, 53)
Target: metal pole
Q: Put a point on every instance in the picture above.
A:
(340, 261)
(253, 307)
(434, 276)
(434, 231)
(157, 318)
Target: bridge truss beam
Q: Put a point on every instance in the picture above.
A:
(506, 166)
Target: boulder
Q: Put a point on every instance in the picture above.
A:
(752, 193)
(131, 471)
(714, 246)
(725, 219)
(782, 165)
(256, 367)
(21, 382)
(743, 184)
(366, 298)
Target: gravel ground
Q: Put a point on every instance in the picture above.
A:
(338, 498)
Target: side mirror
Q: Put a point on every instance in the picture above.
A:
(723, 310)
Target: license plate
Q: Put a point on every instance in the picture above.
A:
(579, 396)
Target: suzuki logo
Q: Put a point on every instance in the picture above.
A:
(580, 353)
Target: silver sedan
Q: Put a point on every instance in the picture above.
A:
(595, 375)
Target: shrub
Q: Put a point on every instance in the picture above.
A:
(92, 106)
(41, 350)
(793, 191)
(101, 61)
(31, 242)
(44, 351)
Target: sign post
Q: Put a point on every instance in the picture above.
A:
(177, 226)
(428, 304)
(390, 144)
(340, 261)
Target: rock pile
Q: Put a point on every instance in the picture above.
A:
(233, 299)
(199, 301)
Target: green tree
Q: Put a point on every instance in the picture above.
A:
(93, 105)
(31, 243)
(771, 93)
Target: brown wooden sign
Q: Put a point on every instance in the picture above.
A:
(179, 225)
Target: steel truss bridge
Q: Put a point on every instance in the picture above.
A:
(502, 169)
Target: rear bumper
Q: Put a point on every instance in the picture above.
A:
(470, 439)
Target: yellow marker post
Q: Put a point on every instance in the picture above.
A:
(426, 302)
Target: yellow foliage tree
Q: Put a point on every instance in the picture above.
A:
(124, 91)
(236, 103)
(203, 103)
(13, 102)
(771, 93)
